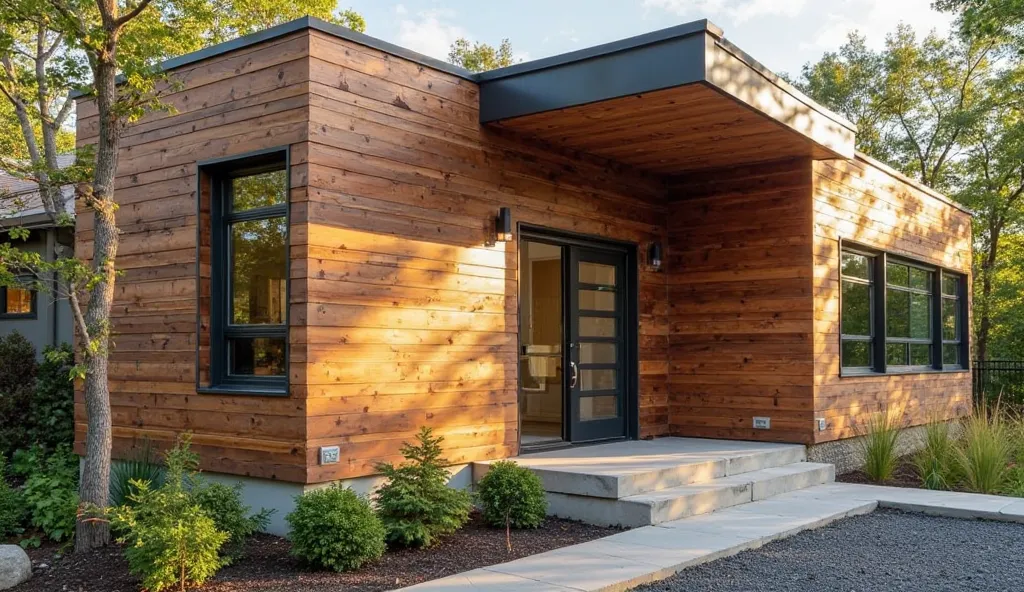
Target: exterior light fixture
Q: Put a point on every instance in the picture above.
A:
(503, 225)
(654, 255)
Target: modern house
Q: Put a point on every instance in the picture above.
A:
(42, 316)
(333, 241)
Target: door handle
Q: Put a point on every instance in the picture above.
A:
(575, 374)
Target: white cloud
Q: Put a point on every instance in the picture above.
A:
(875, 19)
(737, 11)
(430, 32)
(400, 9)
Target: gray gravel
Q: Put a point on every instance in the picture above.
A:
(883, 551)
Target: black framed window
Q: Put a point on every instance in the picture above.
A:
(249, 285)
(857, 271)
(17, 302)
(897, 315)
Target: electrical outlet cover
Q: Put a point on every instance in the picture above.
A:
(762, 423)
(822, 424)
(330, 455)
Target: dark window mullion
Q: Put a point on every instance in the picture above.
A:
(264, 213)
(937, 329)
(880, 314)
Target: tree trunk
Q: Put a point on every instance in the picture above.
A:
(95, 485)
(988, 265)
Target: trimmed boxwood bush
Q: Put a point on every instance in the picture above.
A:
(512, 496)
(333, 528)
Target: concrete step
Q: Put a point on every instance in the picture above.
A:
(624, 469)
(692, 499)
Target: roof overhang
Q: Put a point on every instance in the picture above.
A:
(630, 99)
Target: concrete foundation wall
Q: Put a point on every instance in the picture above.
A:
(848, 454)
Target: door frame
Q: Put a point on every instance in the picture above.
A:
(527, 232)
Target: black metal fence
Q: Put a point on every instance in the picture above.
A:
(1001, 380)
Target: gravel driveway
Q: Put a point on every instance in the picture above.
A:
(883, 551)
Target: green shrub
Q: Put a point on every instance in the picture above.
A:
(12, 505)
(223, 504)
(984, 452)
(333, 528)
(17, 382)
(142, 467)
(51, 419)
(51, 494)
(168, 538)
(936, 461)
(879, 443)
(512, 496)
(415, 503)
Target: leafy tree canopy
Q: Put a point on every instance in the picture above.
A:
(480, 57)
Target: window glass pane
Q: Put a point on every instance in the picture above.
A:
(897, 313)
(920, 354)
(951, 354)
(896, 354)
(949, 319)
(19, 301)
(597, 327)
(258, 264)
(597, 353)
(257, 356)
(595, 273)
(856, 313)
(597, 300)
(603, 407)
(920, 316)
(258, 191)
(897, 274)
(597, 380)
(950, 284)
(920, 279)
(856, 354)
(854, 265)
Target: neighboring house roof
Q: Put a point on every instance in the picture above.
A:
(20, 200)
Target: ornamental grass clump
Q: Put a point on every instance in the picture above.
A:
(511, 496)
(984, 453)
(936, 462)
(415, 503)
(879, 443)
(333, 528)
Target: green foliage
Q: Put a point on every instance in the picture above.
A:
(168, 538)
(140, 467)
(51, 419)
(416, 504)
(512, 496)
(12, 505)
(51, 494)
(479, 57)
(17, 381)
(223, 504)
(879, 443)
(333, 528)
(936, 461)
(984, 453)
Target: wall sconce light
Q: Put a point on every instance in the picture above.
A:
(654, 255)
(503, 225)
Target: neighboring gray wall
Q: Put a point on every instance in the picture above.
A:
(52, 324)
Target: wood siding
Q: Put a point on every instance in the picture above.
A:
(858, 201)
(740, 307)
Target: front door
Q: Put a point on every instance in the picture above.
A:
(574, 347)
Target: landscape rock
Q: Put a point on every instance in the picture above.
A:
(15, 566)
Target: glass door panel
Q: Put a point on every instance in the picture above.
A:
(542, 339)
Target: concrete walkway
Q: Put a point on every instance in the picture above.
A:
(652, 553)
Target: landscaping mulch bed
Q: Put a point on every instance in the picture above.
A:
(904, 476)
(268, 567)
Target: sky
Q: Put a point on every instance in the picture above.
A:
(781, 34)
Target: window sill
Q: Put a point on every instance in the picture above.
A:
(909, 371)
(242, 389)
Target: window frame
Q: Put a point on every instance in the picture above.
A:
(871, 282)
(14, 316)
(878, 262)
(910, 341)
(220, 173)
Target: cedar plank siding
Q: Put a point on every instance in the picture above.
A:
(411, 317)
(740, 315)
(859, 201)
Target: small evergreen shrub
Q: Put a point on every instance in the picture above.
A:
(17, 383)
(879, 443)
(512, 496)
(51, 494)
(936, 462)
(12, 505)
(168, 538)
(223, 504)
(983, 456)
(415, 503)
(333, 528)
